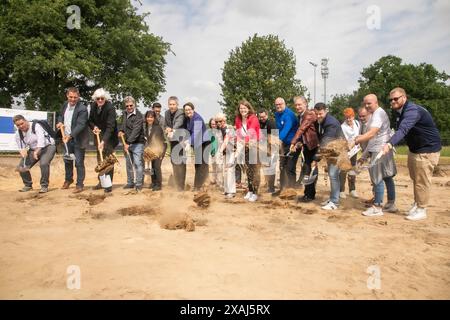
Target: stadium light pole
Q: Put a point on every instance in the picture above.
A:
(325, 72)
(315, 66)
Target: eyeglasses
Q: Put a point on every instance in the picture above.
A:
(129, 105)
(100, 98)
(395, 99)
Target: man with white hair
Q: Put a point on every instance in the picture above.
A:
(102, 120)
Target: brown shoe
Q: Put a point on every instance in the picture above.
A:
(66, 184)
(78, 190)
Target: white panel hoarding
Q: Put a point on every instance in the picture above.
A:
(8, 129)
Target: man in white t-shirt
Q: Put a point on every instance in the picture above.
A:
(35, 145)
(384, 169)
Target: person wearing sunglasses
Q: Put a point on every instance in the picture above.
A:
(102, 119)
(416, 126)
(132, 129)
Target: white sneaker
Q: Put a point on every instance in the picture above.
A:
(354, 194)
(248, 195)
(330, 206)
(253, 198)
(373, 212)
(413, 209)
(325, 202)
(342, 195)
(229, 195)
(418, 214)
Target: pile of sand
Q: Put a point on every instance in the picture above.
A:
(336, 152)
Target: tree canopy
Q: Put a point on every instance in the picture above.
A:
(40, 55)
(259, 70)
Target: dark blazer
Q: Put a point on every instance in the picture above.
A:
(175, 122)
(105, 120)
(79, 126)
(307, 130)
(133, 127)
(330, 129)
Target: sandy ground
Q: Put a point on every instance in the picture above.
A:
(239, 250)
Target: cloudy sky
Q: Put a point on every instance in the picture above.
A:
(202, 33)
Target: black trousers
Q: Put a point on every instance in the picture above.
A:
(310, 190)
(157, 174)
(178, 160)
(287, 167)
(201, 164)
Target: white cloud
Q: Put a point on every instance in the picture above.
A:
(202, 34)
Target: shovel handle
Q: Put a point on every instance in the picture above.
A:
(63, 134)
(123, 141)
(98, 143)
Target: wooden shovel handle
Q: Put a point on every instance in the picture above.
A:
(123, 141)
(63, 134)
(98, 143)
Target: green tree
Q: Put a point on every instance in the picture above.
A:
(260, 70)
(40, 55)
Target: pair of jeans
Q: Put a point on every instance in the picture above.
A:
(335, 185)
(79, 153)
(178, 160)
(310, 189)
(379, 191)
(288, 166)
(45, 157)
(134, 159)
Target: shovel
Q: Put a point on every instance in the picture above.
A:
(357, 170)
(105, 180)
(67, 155)
(307, 180)
(23, 167)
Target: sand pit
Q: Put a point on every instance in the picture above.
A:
(92, 199)
(128, 247)
(288, 194)
(175, 221)
(137, 211)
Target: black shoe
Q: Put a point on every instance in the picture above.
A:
(128, 186)
(97, 187)
(271, 190)
(156, 188)
(276, 193)
(304, 199)
(108, 190)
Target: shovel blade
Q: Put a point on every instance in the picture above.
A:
(307, 180)
(70, 157)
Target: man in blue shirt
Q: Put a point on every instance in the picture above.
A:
(416, 126)
(287, 125)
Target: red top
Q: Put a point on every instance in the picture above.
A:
(253, 131)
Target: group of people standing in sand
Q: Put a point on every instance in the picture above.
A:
(251, 142)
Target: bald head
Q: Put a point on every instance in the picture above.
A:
(280, 104)
(371, 102)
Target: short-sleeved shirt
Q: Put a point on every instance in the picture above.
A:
(379, 119)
